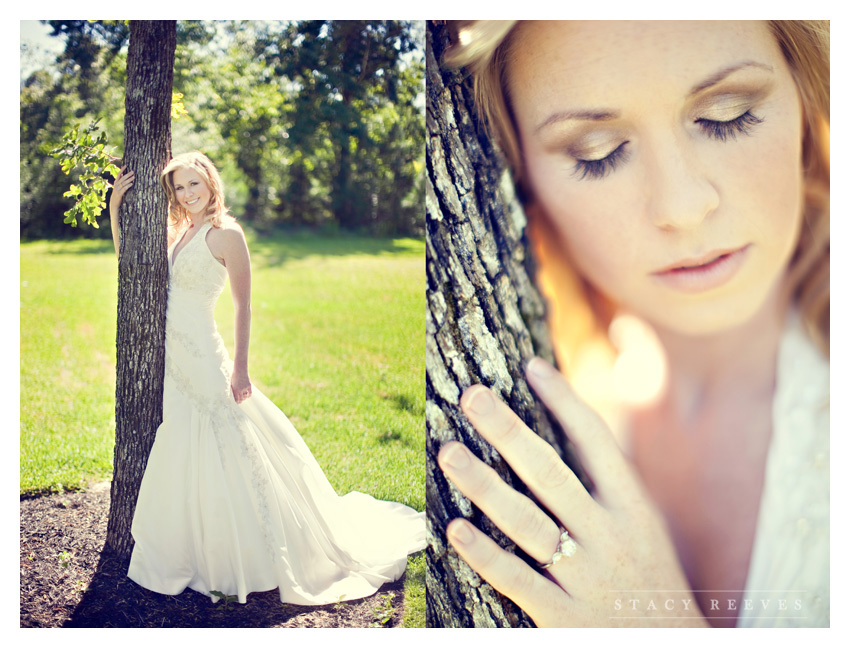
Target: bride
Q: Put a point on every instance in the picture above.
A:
(232, 500)
(676, 179)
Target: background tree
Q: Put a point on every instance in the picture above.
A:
(484, 323)
(142, 268)
(86, 83)
(246, 102)
(312, 123)
(345, 78)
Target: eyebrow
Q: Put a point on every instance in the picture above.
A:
(608, 115)
(716, 78)
(585, 115)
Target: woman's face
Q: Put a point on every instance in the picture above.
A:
(191, 190)
(667, 156)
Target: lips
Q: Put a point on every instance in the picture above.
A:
(706, 272)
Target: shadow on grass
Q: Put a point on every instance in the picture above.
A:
(407, 403)
(77, 246)
(395, 436)
(281, 246)
(114, 601)
(404, 403)
(278, 246)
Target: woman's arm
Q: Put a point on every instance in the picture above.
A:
(229, 245)
(122, 183)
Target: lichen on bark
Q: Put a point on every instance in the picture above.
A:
(485, 321)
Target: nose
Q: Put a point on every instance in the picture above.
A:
(681, 193)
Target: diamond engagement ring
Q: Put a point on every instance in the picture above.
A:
(566, 548)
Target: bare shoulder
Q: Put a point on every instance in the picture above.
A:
(227, 241)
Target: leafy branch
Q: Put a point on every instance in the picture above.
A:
(89, 150)
(87, 147)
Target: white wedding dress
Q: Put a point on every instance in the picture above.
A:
(232, 500)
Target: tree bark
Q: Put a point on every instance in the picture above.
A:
(485, 321)
(142, 269)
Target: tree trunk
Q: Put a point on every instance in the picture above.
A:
(342, 196)
(255, 210)
(485, 321)
(142, 269)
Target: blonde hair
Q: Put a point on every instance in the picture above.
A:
(485, 48)
(197, 161)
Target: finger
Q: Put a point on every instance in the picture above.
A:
(535, 462)
(595, 444)
(514, 513)
(542, 599)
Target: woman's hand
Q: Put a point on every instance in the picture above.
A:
(623, 569)
(123, 182)
(240, 385)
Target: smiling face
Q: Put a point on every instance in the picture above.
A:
(667, 156)
(191, 190)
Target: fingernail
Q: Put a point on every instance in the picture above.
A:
(481, 402)
(540, 368)
(455, 455)
(460, 533)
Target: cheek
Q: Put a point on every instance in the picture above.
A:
(765, 183)
(781, 182)
(596, 226)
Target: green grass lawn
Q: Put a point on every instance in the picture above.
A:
(337, 342)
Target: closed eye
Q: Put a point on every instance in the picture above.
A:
(595, 169)
(721, 130)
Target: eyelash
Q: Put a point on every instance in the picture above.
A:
(602, 167)
(721, 130)
(718, 130)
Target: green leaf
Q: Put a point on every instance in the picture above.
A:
(71, 215)
(90, 191)
(177, 108)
